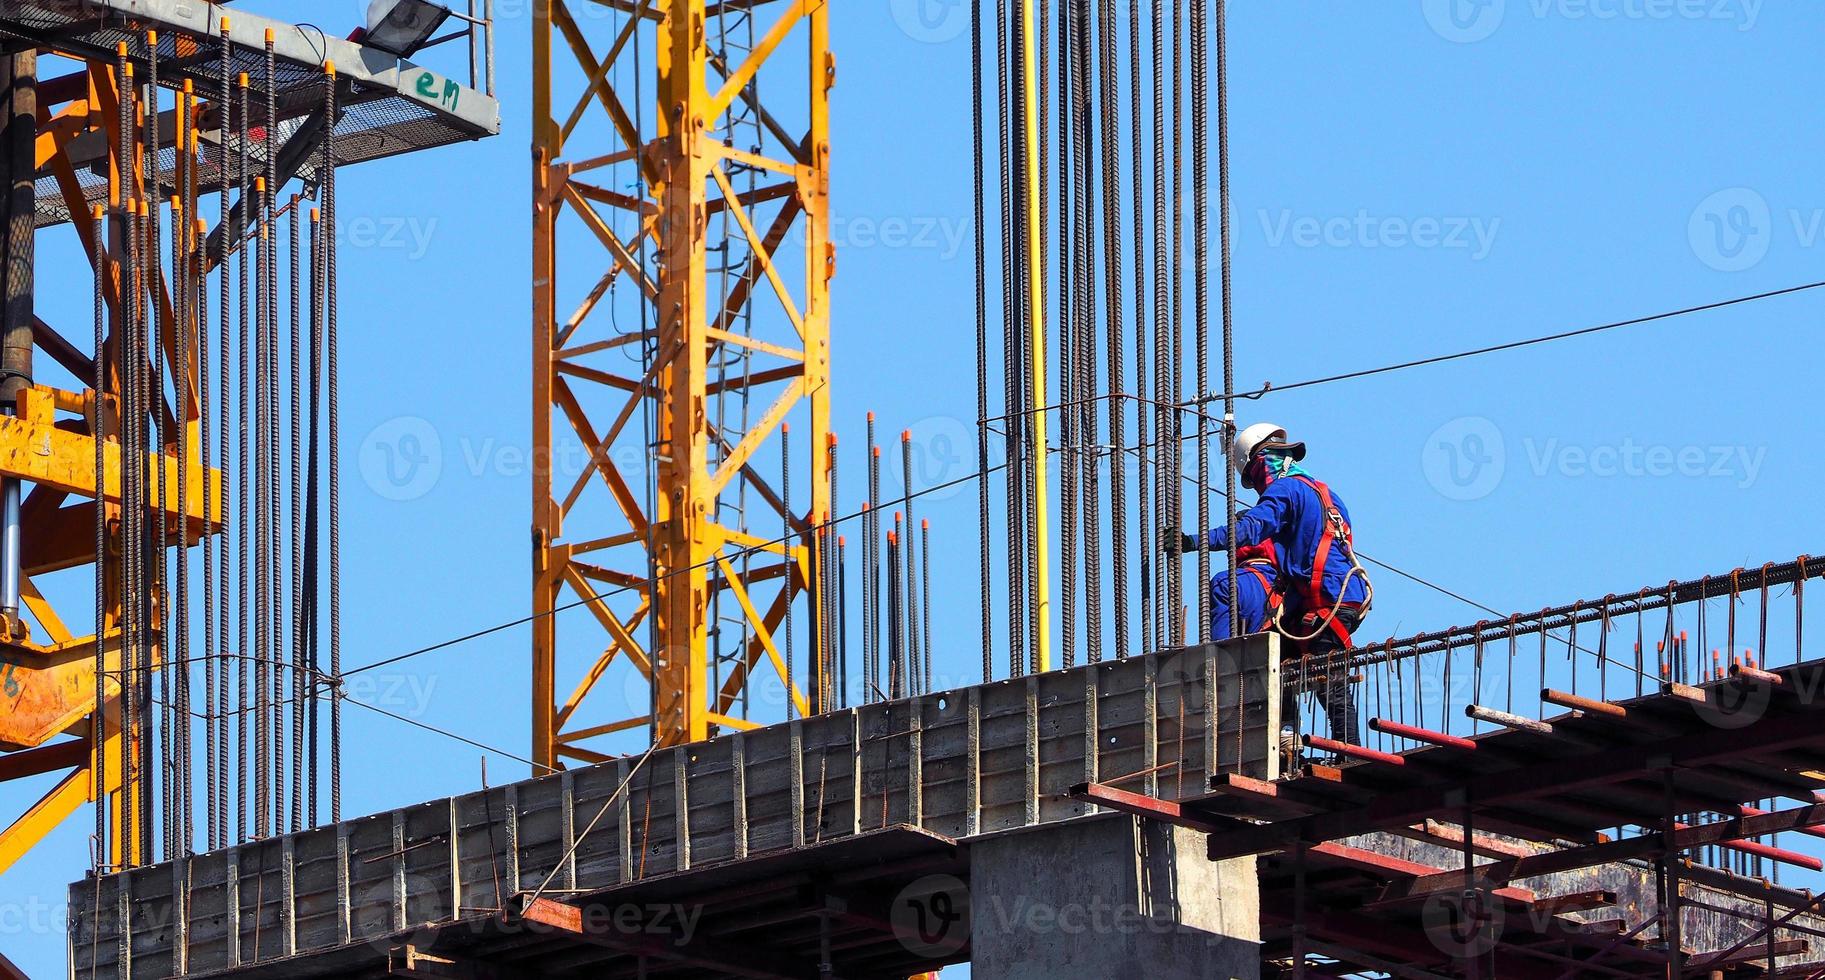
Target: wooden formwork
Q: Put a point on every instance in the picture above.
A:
(959, 764)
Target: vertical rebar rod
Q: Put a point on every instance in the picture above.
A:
(332, 381)
(98, 431)
(793, 544)
(295, 369)
(262, 548)
(206, 450)
(906, 479)
(246, 665)
(1069, 307)
(1039, 488)
(275, 579)
(895, 686)
(1087, 406)
(925, 572)
(311, 496)
(1112, 269)
(826, 685)
(128, 299)
(1162, 391)
(980, 164)
(221, 721)
(867, 648)
(875, 559)
(160, 547)
(183, 276)
(1175, 377)
(1143, 476)
(842, 578)
(1011, 360)
(1200, 152)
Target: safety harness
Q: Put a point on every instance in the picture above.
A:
(1260, 561)
(1319, 612)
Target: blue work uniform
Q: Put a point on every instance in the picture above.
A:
(1260, 580)
(1291, 515)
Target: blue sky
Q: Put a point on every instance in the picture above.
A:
(1409, 179)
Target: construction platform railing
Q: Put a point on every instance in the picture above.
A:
(1502, 670)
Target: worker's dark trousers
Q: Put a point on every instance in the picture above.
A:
(1332, 687)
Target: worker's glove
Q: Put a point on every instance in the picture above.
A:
(1172, 536)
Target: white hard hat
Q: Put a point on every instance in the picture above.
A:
(1255, 437)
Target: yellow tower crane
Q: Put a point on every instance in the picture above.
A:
(681, 168)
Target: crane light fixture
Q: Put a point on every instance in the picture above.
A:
(401, 27)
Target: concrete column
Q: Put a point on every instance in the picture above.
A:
(1111, 896)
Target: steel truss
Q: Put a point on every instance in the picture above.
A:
(670, 536)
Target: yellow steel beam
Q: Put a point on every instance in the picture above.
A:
(39, 452)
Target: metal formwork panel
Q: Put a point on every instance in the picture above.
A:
(960, 763)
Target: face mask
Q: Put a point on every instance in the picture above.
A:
(1254, 476)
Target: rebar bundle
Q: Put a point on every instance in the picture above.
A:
(197, 395)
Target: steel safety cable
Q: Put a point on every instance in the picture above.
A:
(979, 164)
(1270, 388)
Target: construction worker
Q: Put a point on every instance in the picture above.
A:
(1260, 594)
(1327, 593)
